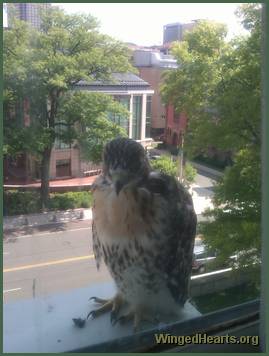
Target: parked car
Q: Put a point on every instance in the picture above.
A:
(152, 155)
(160, 137)
(202, 257)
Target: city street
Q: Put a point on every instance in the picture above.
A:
(49, 262)
(202, 193)
(43, 261)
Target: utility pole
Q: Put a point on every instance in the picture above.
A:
(180, 154)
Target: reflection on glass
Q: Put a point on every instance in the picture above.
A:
(137, 112)
(148, 116)
(121, 120)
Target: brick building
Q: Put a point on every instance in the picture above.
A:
(176, 124)
(151, 64)
(130, 90)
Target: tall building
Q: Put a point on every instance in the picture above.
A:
(172, 32)
(29, 12)
(175, 31)
(151, 64)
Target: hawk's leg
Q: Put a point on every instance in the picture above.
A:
(112, 305)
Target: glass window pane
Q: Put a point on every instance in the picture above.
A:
(59, 143)
(148, 116)
(121, 120)
(137, 116)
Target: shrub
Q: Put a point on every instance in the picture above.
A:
(165, 165)
(213, 162)
(189, 174)
(19, 202)
(70, 200)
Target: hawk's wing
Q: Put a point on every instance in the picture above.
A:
(175, 233)
(95, 239)
(96, 245)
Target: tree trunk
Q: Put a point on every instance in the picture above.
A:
(45, 173)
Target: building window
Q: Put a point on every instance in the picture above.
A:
(148, 116)
(63, 168)
(59, 144)
(137, 112)
(176, 115)
(121, 120)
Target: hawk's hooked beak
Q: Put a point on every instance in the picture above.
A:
(118, 186)
(120, 179)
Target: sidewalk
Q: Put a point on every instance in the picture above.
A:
(47, 218)
(204, 169)
(59, 183)
(201, 202)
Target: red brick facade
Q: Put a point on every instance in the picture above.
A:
(176, 124)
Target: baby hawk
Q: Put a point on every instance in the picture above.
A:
(143, 229)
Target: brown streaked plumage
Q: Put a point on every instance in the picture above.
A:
(143, 229)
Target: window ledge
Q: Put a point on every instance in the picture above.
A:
(45, 324)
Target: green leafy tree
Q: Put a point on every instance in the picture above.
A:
(167, 165)
(217, 84)
(192, 86)
(42, 67)
(15, 45)
(85, 119)
(189, 174)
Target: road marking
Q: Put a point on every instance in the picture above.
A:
(49, 233)
(11, 290)
(50, 263)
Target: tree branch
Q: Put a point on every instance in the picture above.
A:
(74, 48)
(255, 135)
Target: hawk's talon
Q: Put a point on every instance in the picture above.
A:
(98, 300)
(113, 305)
(92, 314)
(113, 317)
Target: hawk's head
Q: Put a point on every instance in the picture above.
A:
(124, 162)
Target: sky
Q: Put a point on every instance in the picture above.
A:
(143, 23)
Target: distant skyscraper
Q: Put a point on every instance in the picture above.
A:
(172, 32)
(28, 12)
(175, 31)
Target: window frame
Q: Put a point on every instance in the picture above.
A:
(215, 323)
(241, 314)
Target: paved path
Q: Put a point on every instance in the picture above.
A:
(72, 182)
(201, 191)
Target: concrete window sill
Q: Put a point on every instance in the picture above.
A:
(45, 324)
